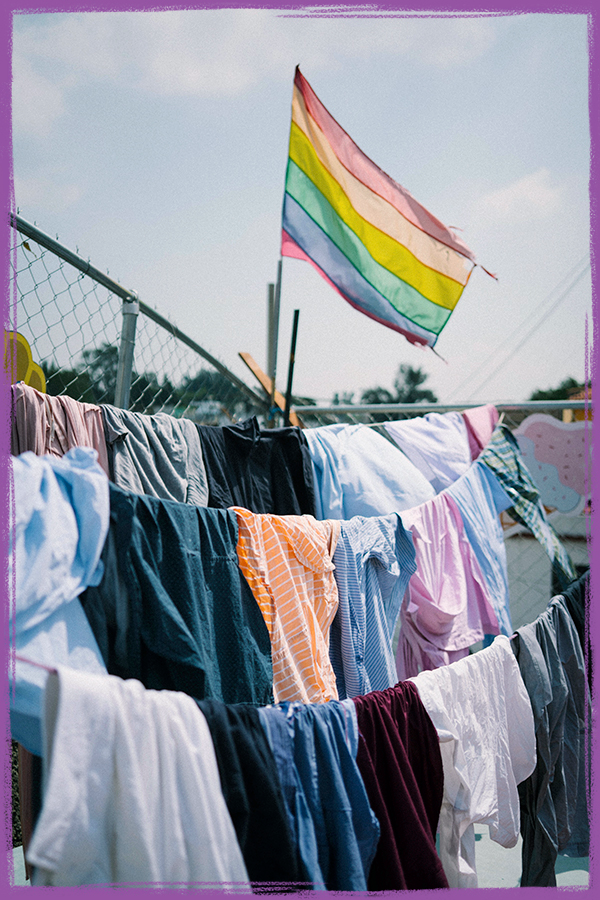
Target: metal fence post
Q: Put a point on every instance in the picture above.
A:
(130, 311)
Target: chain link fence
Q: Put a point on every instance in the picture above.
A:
(512, 413)
(95, 341)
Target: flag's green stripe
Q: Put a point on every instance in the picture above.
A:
(401, 295)
(384, 249)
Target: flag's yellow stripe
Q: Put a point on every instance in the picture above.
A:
(377, 211)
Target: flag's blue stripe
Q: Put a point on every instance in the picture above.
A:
(351, 284)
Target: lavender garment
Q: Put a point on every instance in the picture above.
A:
(447, 607)
(438, 445)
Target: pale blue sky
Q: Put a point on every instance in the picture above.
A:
(156, 142)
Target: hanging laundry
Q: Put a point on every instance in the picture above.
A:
(437, 444)
(287, 561)
(553, 799)
(44, 424)
(480, 498)
(325, 743)
(503, 456)
(263, 470)
(374, 559)
(577, 598)
(480, 422)
(401, 766)
(252, 792)
(61, 514)
(485, 725)
(192, 623)
(132, 791)
(155, 454)
(106, 607)
(360, 473)
(577, 745)
(447, 607)
(280, 737)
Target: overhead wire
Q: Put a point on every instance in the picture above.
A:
(532, 331)
(519, 329)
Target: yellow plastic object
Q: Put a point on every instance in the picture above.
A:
(18, 361)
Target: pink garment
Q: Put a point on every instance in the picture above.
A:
(480, 423)
(446, 608)
(53, 425)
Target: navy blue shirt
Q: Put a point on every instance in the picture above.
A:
(191, 623)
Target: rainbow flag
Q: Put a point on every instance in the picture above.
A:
(364, 233)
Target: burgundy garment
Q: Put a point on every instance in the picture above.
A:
(400, 761)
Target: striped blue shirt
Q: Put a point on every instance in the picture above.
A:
(374, 560)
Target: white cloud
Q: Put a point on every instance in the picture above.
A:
(212, 52)
(532, 197)
(45, 194)
(36, 102)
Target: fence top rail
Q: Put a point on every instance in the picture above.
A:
(530, 405)
(44, 240)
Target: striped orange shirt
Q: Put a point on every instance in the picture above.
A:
(287, 561)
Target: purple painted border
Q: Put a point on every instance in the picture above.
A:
(290, 8)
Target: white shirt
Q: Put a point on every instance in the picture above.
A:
(482, 713)
(132, 791)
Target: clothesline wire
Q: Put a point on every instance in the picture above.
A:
(519, 328)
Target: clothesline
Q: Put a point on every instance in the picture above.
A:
(32, 662)
(149, 561)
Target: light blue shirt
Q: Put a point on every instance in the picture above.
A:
(374, 560)
(358, 472)
(58, 527)
(481, 498)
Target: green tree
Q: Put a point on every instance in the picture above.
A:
(562, 392)
(344, 399)
(71, 382)
(148, 395)
(210, 384)
(101, 363)
(407, 387)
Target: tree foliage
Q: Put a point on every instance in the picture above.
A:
(562, 392)
(94, 380)
(407, 389)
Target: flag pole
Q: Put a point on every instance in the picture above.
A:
(288, 393)
(270, 311)
(275, 335)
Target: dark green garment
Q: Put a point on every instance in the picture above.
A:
(191, 623)
(503, 456)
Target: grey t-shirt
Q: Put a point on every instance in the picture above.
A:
(155, 454)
